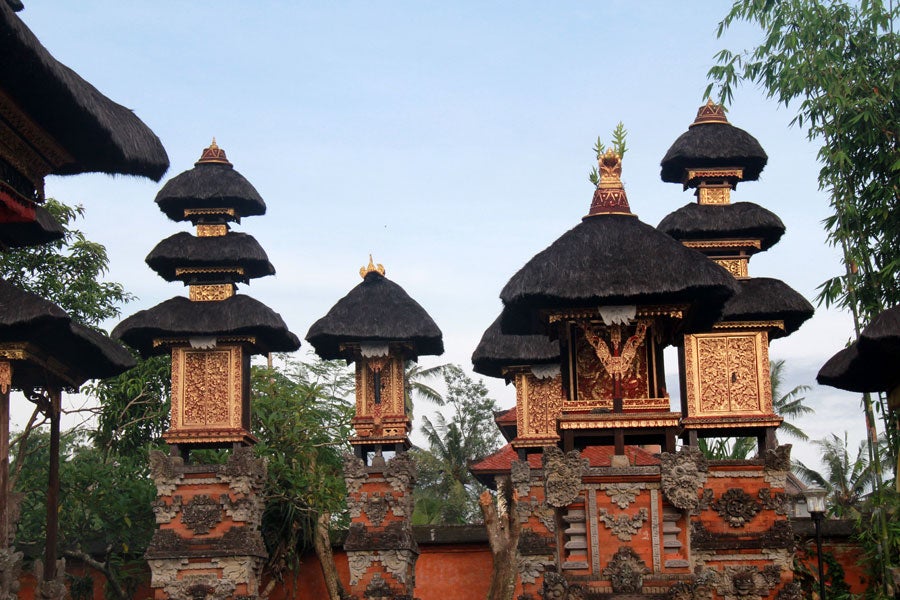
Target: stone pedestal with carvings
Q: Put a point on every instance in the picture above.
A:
(208, 544)
(380, 547)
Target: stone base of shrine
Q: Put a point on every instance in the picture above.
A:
(208, 544)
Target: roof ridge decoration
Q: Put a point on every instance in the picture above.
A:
(213, 155)
(610, 197)
(710, 113)
(371, 268)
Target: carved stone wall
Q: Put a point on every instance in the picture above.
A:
(536, 552)
(381, 551)
(208, 544)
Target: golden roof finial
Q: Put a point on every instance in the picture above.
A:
(213, 154)
(610, 169)
(710, 113)
(371, 268)
(610, 197)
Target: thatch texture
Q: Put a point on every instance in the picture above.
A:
(614, 260)
(377, 310)
(855, 371)
(713, 145)
(101, 135)
(209, 185)
(83, 353)
(764, 299)
(727, 221)
(230, 250)
(179, 317)
(42, 230)
(496, 351)
(882, 335)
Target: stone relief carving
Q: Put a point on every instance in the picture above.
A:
(745, 583)
(244, 510)
(532, 506)
(376, 509)
(623, 494)
(777, 501)
(207, 587)
(520, 475)
(623, 527)
(201, 514)
(532, 543)
(530, 567)
(736, 507)
(354, 473)
(705, 501)
(165, 512)
(398, 563)
(790, 591)
(562, 475)
(400, 472)
(682, 474)
(681, 591)
(359, 563)
(245, 472)
(164, 472)
(557, 588)
(626, 571)
(778, 459)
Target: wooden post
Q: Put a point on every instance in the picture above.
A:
(5, 382)
(53, 486)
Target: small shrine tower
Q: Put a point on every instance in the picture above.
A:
(379, 327)
(208, 544)
(726, 390)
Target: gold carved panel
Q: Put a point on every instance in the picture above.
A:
(728, 374)
(381, 397)
(539, 405)
(6, 370)
(714, 195)
(207, 390)
(212, 292)
(738, 267)
(211, 230)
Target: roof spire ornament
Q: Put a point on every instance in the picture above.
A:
(610, 197)
(213, 154)
(371, 268)
(710, 113)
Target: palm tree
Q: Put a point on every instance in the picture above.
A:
(789, 405)
(846, 480)
(416, 376)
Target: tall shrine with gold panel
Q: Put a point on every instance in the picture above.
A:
(614, 292)
(202, 546)
(726, 386)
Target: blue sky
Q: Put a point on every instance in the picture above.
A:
(452, 140)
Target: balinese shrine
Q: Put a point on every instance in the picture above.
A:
(208, 544)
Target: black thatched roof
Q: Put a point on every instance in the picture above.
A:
(233, 249)
(377, 310)
(882, 335)
(42, 230)
(179, 317)
(706, 145)
(209, 185)
(100, 134)
(612, 260)
(497, 350)
(725, 221)
(856, 371)
(763, 299)
(84, 353)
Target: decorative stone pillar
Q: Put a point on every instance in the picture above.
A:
(380, 547)
(208, 544)
(536, 551)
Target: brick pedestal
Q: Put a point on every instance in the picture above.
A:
(208, 544)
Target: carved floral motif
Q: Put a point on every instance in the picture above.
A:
(562, 475)
(736, 506)
(623, 527)
(201, 514)
(682, 475)
(400, 472)
(623, 494)
(626, 571)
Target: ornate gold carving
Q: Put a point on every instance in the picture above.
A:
(714, 195)
(13, 352)
(606, 366)
(209, 293)
(724, 244)
(755, 325)
(371, 268)
(539, 403)
(615, 421)
(381, 416)
(207, 395)
(228, 339)
(737, 173)
(674, 311)
(727, 374)
(5, 376)
(209, 230)
(190, 212)
(736, 266)
(179, 271)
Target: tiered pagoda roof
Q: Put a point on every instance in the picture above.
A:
(871, 363)
(498, 351)
(375, 311)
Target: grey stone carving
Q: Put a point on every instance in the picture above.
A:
(626, 571)
(562, 476)
(400, 472)
(623, 527)
(623, 494)
(557, 588)
(682, 475)
(354, 473)
(736, 506)
(201, 514)
(520, 475)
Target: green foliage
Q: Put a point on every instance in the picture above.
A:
(807, 576)
(618, 145)
(67, 272)
(301, 416)
(446, 491)
(882, 506)
(847, 480)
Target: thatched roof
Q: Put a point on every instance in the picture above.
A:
(209, 185)
(83, 353)
(713, 143)
(101, 135)
(871, 364)
(233, 249)
(376, 310)
(614, 260)
(497, 350)
(179, 317)
(855, 371)
(764, 299)
(43, 229)
(725, 221)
